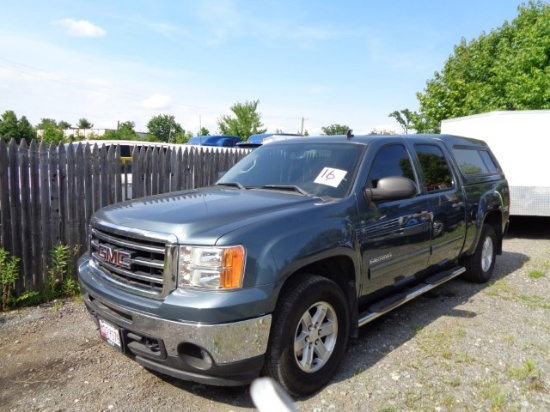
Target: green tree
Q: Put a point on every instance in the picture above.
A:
(335, 129)
(46, 122)
(507, 69)
(26, 131)
(181, 137)
(8, 126)
(247, 120)
(204, 132)
(405, 118)
(84, 124)
(18, 129)
(63, 125)
(164, 128)
(51, 133)
(125, 131)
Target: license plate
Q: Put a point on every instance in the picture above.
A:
(110, 334)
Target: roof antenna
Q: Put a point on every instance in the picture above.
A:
(349, 134)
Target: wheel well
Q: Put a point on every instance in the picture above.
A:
(494, 219)
(339, 269)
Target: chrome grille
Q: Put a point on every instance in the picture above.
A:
(135, 264)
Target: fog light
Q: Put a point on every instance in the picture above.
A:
(195, 356)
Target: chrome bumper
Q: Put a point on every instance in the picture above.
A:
(226, 343)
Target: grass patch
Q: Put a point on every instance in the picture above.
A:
(388, 409)
(495, 396)
(501, 289)
(509, 338)
(528, 373)
(535, 301)
(524, 371)
(454, 382)
(448, 401)
(536, 274)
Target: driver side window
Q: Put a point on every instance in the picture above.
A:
(392, 160)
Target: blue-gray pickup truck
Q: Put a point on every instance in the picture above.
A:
(274, 268)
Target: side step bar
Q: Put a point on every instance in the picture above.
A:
(384, 306)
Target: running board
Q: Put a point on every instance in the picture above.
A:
(386, 305)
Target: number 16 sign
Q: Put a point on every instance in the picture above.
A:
(330, 177)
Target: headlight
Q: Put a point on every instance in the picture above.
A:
(211, 267)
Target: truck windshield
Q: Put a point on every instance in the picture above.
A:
(319, 169)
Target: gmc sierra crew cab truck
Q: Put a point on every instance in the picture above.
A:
(271, 270)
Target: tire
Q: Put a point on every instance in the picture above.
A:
(480, 265)
(309, 335)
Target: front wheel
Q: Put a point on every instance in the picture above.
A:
(480, 265)
(309, 335)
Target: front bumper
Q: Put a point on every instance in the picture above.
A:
(229, 353)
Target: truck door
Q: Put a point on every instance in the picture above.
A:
(394, 235)
(446, 202)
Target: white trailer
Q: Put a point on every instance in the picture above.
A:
(521, 143)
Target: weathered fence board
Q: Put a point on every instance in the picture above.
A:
(48, 194)
(36, 240)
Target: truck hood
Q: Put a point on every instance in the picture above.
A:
(201, 216)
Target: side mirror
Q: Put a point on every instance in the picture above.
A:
(392, 188)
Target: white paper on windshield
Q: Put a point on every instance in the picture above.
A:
(331, 177)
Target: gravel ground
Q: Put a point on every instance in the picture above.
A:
(462, 347)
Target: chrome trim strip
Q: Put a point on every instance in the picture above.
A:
(126, 286)
(170, 269)
(155, 264)
(126, 243)
(127, 273)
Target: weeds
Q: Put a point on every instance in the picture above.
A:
(58, 267)
(60, 281)
(32, 298)
(9, 272)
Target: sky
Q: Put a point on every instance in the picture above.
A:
(309, 63)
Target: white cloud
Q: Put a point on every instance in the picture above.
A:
(157, 102)
(224, 21)
(81, 28)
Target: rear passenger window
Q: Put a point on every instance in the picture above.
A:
(473, 161)
(489, 162)
(436, 174)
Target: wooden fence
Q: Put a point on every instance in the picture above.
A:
(48, 194)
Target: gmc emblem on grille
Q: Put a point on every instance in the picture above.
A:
(114, 256)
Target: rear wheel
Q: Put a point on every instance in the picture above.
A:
(309, 335)
(480, 265)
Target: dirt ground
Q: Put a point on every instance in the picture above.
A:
(462, 347)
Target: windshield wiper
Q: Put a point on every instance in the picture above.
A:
(292, 188)
(232, 184)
